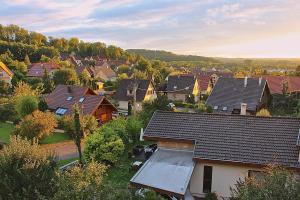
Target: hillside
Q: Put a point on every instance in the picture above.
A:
(168, 56)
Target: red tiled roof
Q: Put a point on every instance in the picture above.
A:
(276, 83)
(38, 69)
(58, 99)
(203, 81)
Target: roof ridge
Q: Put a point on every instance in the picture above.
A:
(232, 115)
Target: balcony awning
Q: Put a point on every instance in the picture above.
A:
(167, 171)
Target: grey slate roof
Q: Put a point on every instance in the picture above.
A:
(234, 138)
(127, 84)
(230, 93)
(182, 84)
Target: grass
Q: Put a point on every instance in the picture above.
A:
(119, 175)
(55, 138)
(5, 131)
(61, 163)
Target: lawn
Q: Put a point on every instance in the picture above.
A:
(5, 131)
(119, 175)
(55, 138)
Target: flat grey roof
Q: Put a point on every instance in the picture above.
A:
(167, 170)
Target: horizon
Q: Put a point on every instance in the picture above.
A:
(210, 28)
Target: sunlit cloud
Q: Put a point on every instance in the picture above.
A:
(232, 28)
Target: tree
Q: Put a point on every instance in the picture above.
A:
(48, 83)
(277, 184)
(77, 133)
(263, 113)
(65, 77)
(4, 88)
(81, 183)
(25, 105)
(297, 71)
(23, 89)
(27, 171)
(27, 60)
(133, 128)
(123, 69)
(104, 147)
(36, 125)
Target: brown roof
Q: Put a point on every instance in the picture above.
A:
(103, 72)
(38, 69)
(59, 99)
(276, 83)
(203, 81)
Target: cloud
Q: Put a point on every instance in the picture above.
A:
(207, 27)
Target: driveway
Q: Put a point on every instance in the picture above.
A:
(64, 150)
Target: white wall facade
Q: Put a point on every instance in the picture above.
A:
(223, 177)
(124, 105)
(176, 97)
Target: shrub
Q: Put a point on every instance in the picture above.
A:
(211, 196)
(25, 105)
(26, 170)
(104, 146)
(81, 183)
(36, 125)
(277, 184)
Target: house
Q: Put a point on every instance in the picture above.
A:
(182, 87)
(236, 95)
(207, 79)
(278, 84)
(37, 70)
(5, 74)
(125, 93)
(103, 72)
(64, 97)
(201, 153)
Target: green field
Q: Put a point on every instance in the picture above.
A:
(5, 131)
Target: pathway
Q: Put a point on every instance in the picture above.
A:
(64, 150)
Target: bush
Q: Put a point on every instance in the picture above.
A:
(263, 113)
(25, 105)
(211, 196)
(104, 147)
(81, 183)
(133, 127)
(277, 184)
(118, 126)
(8, 112)
(36, 125)
(26, 170)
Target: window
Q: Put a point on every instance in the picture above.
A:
(216, 107)
(60, 111)
(224, 108)
(69, 98)
(207, 179)
(81, 99)
(129, 92)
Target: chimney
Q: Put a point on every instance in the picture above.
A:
(243, 108)
(245, 81)
(259, 81)
(142, 135)
(69, 89)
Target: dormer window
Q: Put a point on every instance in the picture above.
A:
(69, 98)
(81, 99)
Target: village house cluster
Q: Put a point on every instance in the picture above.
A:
(197, 153)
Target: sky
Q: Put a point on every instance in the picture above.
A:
(217, 28)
